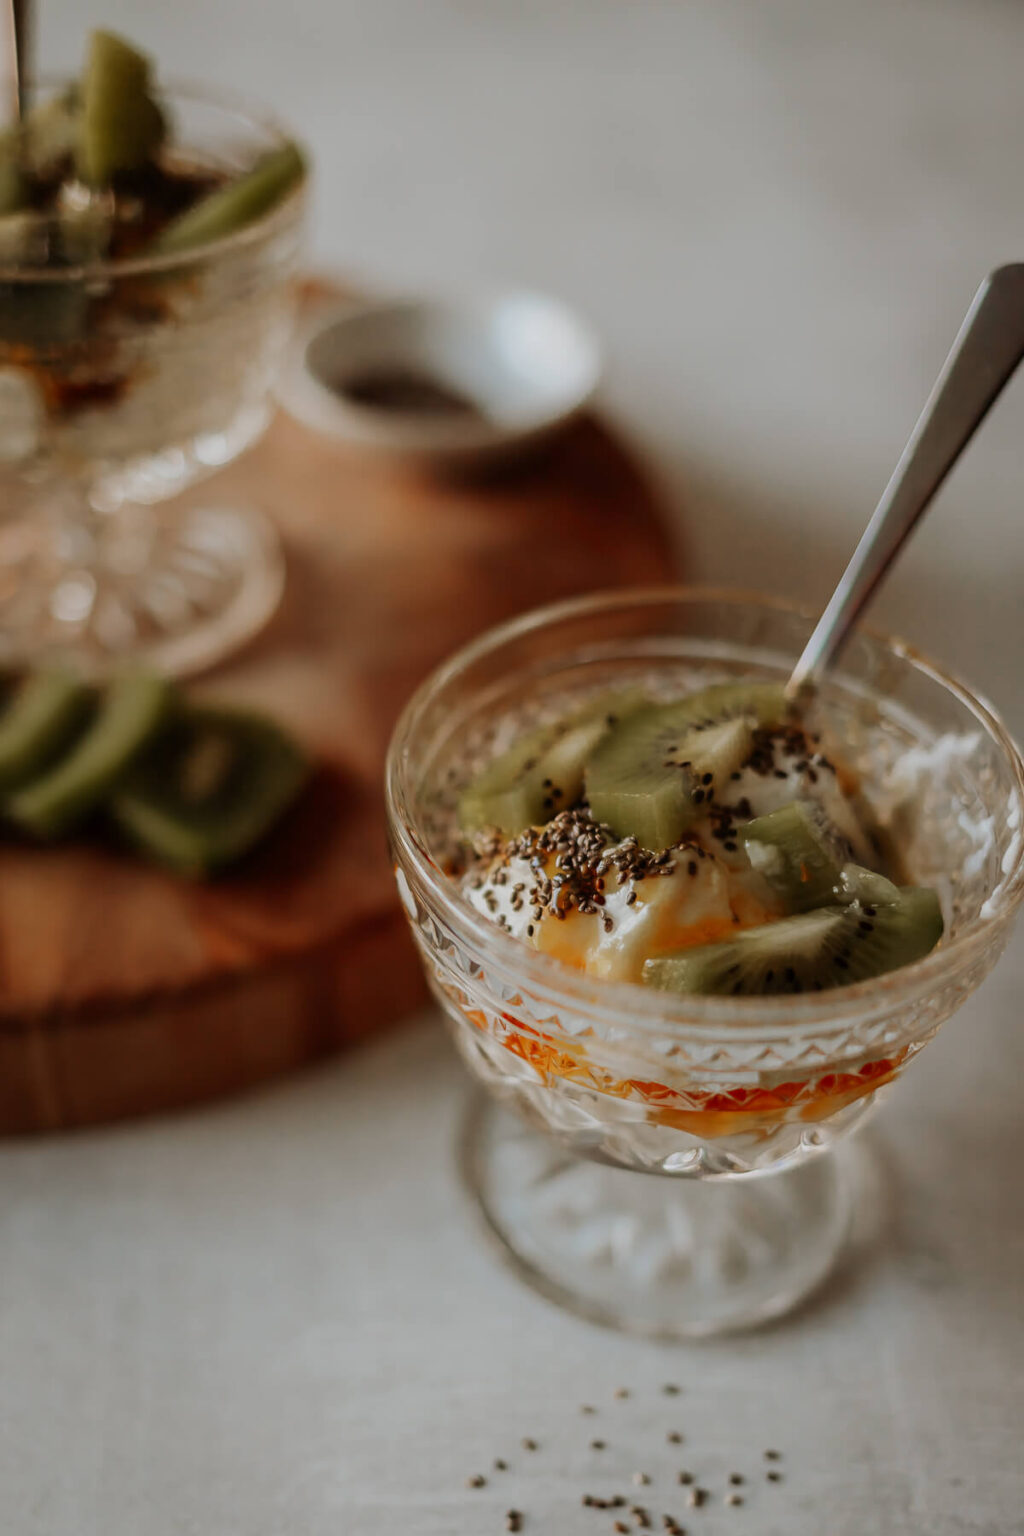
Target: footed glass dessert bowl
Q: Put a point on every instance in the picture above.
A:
(130, 367)
(736, 1102)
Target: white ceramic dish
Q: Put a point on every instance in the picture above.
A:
(526, 362)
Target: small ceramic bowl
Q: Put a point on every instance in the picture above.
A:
(445, 380)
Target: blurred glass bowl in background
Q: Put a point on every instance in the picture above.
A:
(122, 381)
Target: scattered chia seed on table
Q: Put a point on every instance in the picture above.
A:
(697, 1496)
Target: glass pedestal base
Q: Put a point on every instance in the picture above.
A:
(665, 1257)
(177, 588)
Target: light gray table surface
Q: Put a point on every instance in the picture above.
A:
(277, 1317)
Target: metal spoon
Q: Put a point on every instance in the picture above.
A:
(984, 356)
(16, 23)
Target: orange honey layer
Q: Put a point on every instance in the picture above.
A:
(699, 1112)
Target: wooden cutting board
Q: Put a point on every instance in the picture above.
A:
(124, 990)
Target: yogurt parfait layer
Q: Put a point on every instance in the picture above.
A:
(710, 843)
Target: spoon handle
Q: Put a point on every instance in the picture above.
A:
(983, 358)
(15, 20)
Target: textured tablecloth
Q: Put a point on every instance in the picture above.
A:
(277, 1317)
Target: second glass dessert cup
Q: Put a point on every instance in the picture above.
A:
(121, 382)
(737, 1103)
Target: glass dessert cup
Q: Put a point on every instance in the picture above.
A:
(738, 1103)
(121, 382)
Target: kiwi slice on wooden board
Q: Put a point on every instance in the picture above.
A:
(210, 786)
(795, 850)
(130, 710)
(237, 203)
(541, 773)
(810, 952)
(120, 125)
(44, 712)
(653, 775)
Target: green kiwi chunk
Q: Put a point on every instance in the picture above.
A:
(35, 149)
(13, 190)
(764, 704)
(130, 711)
(209, 788)
(44, 714)
(859, 884)
(797, 853)
(542, 772)
(809, 952)
(49, 135)
(653, 775)
(235, 204)
(120, 125)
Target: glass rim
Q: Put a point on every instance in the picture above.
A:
(693, 1016)
(239, 105)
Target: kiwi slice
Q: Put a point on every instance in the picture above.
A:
(36, 148)
(49, 135)
(43, 715)
(866, 886)
(209, 787)
(762, 703)
(542, 771)
(120, 125)
(234, 205)
(13, 191)
(797, 853)
(130, 711)
(652, 776)
(810, 952)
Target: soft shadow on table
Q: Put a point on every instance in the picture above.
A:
(874, 1228)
